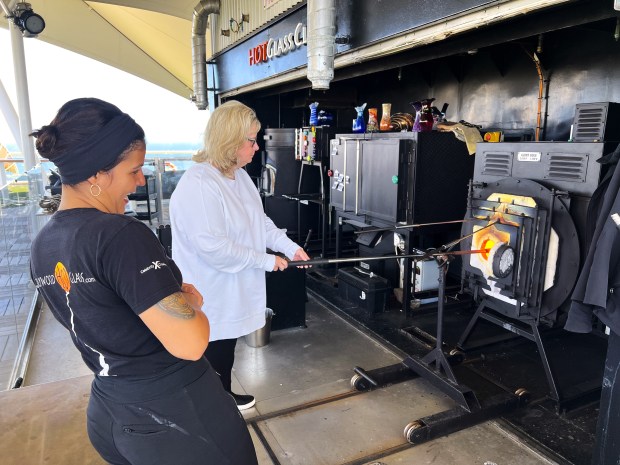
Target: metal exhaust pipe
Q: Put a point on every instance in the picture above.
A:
(321, 42)
(199, 49)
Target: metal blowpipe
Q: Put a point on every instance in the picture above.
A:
(443, 250)
(412, 226)
(329, 261)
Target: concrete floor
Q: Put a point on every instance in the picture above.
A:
(306, 412)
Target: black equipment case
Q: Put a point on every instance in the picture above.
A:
(368, 291)
(286, 296)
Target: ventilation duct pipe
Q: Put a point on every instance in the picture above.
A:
(199, 49)
(321, 42)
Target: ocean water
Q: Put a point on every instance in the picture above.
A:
(172, 152)
(173, 147)
(166, 150)
(170, 147)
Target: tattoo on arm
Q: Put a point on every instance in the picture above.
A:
(176, 306)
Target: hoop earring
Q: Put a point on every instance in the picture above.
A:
(98, 191)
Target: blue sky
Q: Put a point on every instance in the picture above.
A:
(56, 75)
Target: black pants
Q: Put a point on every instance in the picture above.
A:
(196, 423)
(221, 356)
(607, 447)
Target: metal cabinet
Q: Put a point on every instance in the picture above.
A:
(385, 187)
(344, 163)
(400, 177)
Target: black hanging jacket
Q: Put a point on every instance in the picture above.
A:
(597, 291)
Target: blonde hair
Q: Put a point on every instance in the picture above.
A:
(226, 131)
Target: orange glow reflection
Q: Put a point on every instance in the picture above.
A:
(487, 238)
(487, 245)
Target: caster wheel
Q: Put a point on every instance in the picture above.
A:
(457, 356)
(359, 383)
(523, 394)
(411, 428)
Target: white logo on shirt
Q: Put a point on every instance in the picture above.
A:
(154, 266)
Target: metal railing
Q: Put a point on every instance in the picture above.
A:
(20, 221)
(167, 168)
(167, 172)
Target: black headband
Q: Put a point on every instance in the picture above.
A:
(100, 151)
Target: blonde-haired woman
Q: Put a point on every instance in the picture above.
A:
(220, 236)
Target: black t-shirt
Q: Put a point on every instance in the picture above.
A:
(98, 272)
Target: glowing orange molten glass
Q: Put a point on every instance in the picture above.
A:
(62, 277)
(484, 240)
(487, 245)
(487, 238)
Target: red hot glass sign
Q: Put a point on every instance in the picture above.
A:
(273, 48)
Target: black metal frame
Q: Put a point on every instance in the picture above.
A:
(531, 310)
(532, 332)
(442, 376)
(435, 367)
(409, 234)
(321, 198)
(147, 194)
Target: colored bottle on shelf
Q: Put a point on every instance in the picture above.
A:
(359, 125)
(373, 122)
(423, 115)
(314, 119)
(386, 114)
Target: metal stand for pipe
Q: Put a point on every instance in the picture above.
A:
(436, 368)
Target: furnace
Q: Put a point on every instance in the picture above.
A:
(527, 208)
(533, 249)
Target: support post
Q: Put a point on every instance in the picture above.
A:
(10, 115)
(23, 99)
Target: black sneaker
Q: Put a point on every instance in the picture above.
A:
(243, 401)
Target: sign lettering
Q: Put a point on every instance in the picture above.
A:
(528, 156)
(273, 48)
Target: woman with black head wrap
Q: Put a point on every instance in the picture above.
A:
(106, 278)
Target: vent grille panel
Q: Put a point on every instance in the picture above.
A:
(497, 163)
(566, 167)
(589, 123)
